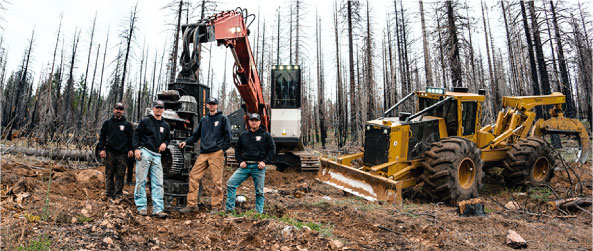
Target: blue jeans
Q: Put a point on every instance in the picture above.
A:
(241, 175)
(149, 162)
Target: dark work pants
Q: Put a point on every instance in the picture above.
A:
(115, 169)
(130, 172)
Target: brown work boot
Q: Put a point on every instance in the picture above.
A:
(188, 209)
(143, 212)
(161, 214)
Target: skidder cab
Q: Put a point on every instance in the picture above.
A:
(443, 146)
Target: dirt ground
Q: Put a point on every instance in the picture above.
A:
(300, 214)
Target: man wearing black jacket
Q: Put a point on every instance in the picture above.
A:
(255, 148)
(214, 133)
(115, 146)
(150, 140)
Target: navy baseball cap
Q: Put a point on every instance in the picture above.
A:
(254, 116)
(212, 100)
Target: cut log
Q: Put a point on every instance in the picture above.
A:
(569, 203)
(59, 154)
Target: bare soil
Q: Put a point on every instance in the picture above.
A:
(300, 213)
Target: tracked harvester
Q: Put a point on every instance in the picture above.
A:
(444, 147)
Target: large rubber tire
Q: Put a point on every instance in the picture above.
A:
(529, 162)
(452, 170)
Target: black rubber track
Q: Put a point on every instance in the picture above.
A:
(520, 159)
(440, 170)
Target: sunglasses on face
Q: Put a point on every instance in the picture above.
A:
(119, 108)
(158, 107)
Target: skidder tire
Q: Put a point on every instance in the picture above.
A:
(452, 170)
(529, 162)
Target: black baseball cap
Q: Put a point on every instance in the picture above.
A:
(159, 103)
(254, 116)
(119, 105)
(212, 100)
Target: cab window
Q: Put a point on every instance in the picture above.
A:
(468, 117)
(448, 111)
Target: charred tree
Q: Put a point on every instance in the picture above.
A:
(341, 108)
(491, 67)
(539, 53)
(566, 90)
(425, 46)
(70, 82)
(99, 97)
(353, 110)
(86, 73)
(453, 46)
(533, 68)
(128, 36)
(320, 85)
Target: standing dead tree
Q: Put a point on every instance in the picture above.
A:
(320, 84)
(425, 47)
(128, 36)
(86, 73)
(70, 81)
(453, 46)
(533, 69)
(565, 81)
(342, 110)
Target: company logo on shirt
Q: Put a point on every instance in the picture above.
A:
(257, 138)
(121, 128)
(162, 129)
(216, 123)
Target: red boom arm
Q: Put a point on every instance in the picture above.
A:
(228, 28)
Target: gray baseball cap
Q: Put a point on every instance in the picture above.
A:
(159, 103)
(254, 116)
(119, 105)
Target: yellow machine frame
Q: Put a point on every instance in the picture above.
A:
(515, 121)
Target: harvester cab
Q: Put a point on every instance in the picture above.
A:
(443, 147)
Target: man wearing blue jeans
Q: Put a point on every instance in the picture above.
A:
(150, 139)
(255, 148)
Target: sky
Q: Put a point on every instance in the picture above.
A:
(154, 30)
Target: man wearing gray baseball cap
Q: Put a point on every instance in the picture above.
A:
(151, 139)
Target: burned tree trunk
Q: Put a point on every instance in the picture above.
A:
(354, 125)
(128, 36)
(99, 99)
(320, 85)
(340, 105)
(70, 82)
(453, 44)
(539, 53)
(534, 78)
(570, 107)
(175, 45)
(425, 46)
(86, 73)
(491, 65)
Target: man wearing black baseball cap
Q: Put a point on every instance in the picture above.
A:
(115, 146)
(150, 139)
(254, 149)
(214, 133)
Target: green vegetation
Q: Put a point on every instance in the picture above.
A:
(39, 243)
(539, 194)
(46, 213)
(83, 219)
(323, 229)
